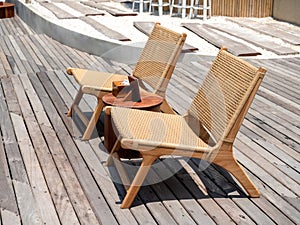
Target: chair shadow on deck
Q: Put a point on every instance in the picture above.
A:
(80, 126)
(169, 180)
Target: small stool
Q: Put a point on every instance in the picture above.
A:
(141, 4)
(205, 6)
(181, 5)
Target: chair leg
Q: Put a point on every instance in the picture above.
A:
(115, 148)
(166, 108)
(238, 172)
(138, 181)
(93, 121)
(76, 102)
(171, 7)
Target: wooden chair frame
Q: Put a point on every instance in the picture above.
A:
(217, 150)
(152, 62)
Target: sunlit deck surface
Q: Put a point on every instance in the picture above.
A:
(49, 176)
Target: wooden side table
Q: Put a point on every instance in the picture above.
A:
(149, 101)
(7, 10)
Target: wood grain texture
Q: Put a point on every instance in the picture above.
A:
(40, 146)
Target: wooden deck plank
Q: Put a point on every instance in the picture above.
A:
(4, 27)
(272, 196)
(254, 38)
(57, 11)
(32, 160)
(217, 214)
(106, 31)
(146, 28)
(12, 30)
(14, 60)
(94, 195)
(37, 53)
(47, 51)
(8, 207)
(94, 165)
(219, 40)
(110, 9)
(27, 205)
(87, 11)
(190, 204)
(31, 56)
(268, 167)
(295, 30)
(286, 164)
(228, 187)
(61, 191)
(5, 66)
(23, 26)
(33, 107)
(265, 28)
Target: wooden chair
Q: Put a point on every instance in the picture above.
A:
(154, 68)
(141, 4)
(207, 131)
(204, 6)
(181, 5)
(160, 6)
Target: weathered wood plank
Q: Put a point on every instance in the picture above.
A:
(272, 196)
(87, 11)
(146, 28)
(272, 182)
(220, 40)
(198, 190)
(57, 11)
(266, 164)
(286, 163)
(92, 160)
(88, 183)
(52, 176)
(46, 51)
(30, 159)
(110, 9)
(223, 180)
(14, 60)
(8, 203)
(105, 30)
(43, 62)
(278, 99)
(253, 37)
(27, 54)
(265, 28)
(30, 55)
(4, 28)
(12, 30)
(23, 27)
(27, 204)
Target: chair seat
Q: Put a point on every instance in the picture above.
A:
(95, 79)
(153, 129)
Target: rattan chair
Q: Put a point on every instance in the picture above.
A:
(207, 131)
(154, 69)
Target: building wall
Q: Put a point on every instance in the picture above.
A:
(242, 8)
(287, 10)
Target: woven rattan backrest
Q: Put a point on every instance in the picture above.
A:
(159, 57)
(225, 95)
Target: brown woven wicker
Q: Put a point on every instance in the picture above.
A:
(207, 131)
(154, 69)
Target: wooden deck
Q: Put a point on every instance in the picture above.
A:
(49, 176)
